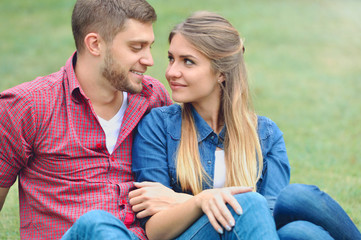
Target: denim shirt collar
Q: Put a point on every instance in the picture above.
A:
(204, 130)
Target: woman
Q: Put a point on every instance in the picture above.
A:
(214, 142)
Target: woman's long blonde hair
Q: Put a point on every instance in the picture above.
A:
(217, 39)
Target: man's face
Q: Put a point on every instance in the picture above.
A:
(126, 59)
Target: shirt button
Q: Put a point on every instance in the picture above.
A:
(212, 137)
(209, 162)
(98, 145)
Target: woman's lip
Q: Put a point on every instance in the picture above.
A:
(175, 84)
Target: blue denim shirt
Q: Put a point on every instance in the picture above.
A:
(156, 142)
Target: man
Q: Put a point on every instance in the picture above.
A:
(68, 136)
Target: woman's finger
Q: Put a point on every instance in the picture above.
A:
(221, 212)
(227, 216)
(135, 193)
(231, 200)
(139, 207)
(213, 220)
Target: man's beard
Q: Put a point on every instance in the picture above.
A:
(117, 76)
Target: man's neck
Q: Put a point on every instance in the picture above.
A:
(105, 99)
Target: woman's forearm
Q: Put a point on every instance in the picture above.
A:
(171, 222)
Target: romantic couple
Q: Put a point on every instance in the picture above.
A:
(100, 152)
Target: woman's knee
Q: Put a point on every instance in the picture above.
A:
(251, 201)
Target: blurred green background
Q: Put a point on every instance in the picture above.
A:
(304, 67)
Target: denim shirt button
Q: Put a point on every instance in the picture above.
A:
(212, 137)
(209, 162)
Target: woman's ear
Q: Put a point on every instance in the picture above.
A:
(221, 78)
(92, 42)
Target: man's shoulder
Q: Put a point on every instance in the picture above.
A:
(43, 85)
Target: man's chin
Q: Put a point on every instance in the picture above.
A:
(134, 89)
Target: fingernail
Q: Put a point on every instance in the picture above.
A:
(220, 230)
(228, 228)
(232, 223)
(239, 211)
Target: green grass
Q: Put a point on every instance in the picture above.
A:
(303, 60)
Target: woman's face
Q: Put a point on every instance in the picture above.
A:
(190, 75)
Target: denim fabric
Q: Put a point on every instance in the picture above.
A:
(156, 142)
(99, 224)
(302, 212)
(255, 223)
(306, 212)
(303, 230)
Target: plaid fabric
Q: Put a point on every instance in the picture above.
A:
(51, 139)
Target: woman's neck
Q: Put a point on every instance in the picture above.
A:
(210, 114)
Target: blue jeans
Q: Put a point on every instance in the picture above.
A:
(305, 212)
(255, 223)
(99, 224)
(302, 212)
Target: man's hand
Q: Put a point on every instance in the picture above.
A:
(3, 193)
(153, 197)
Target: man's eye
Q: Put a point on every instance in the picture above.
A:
(170, 59)
(137, 48)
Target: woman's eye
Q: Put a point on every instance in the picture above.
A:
(188, 62)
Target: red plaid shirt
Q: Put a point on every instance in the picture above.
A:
(52, 140)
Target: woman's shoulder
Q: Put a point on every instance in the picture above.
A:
(167, 118)
(266, 127)
(167, 110)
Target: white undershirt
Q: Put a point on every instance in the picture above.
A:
(111, 128)
(219, 170)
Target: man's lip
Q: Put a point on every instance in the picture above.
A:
(137, 72)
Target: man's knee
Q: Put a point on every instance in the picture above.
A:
(98, 224)
(303, 230)
(300, 190)
(300, 194)
(94, 218)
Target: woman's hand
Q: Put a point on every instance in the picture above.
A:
(213, 204)
(153, 197)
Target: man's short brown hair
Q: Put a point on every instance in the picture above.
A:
(107, 17)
